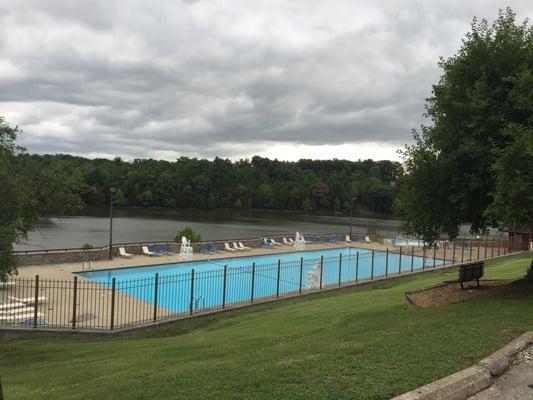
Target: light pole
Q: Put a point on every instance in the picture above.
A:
(112, 190)
(351, 216)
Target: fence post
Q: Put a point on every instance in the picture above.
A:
(434, 254)
(387, 262)
(470, 254)
(400, 262)
(492, 248)
(462, 251)
(112, 322)
(424, 257)
(277, 283)
(412, 257)
(74, 301)
(340, 268)
(191, 302)
(444, 256)
(485, 244)
(505, 246)
(36, 301)
(356, 266)
(224, 286)
(301, 273)
(156, 288)
(253, 283)
(372, 270)
(499, 242)
(321, 269)
(477, 241)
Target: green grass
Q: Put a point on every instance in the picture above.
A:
(363, 343)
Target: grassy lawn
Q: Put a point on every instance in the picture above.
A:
(363, 343)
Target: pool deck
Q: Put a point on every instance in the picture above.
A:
(66, 271)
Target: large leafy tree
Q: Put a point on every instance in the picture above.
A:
(481, 103)
(28, 190)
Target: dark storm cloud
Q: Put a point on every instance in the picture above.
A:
(206, 78)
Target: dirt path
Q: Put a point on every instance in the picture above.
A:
(515, 384)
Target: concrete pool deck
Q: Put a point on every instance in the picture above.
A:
(67, 270)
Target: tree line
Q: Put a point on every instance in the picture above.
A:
(258, 183)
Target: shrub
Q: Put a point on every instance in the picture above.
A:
(189, 234)
(529, 274)
(87, 246)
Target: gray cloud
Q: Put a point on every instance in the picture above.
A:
(206, 78)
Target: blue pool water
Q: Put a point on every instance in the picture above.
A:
(254, 277)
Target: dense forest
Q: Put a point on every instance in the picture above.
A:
(260, 183)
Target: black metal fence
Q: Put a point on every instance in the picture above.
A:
(95, 301)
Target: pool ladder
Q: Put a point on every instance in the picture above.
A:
(197, 301)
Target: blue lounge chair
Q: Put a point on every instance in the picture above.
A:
(213, 248)
(163, 248)
(204, 248)
(333, 239)
(265, 244)
(361, 238)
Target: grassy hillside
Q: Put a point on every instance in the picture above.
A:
(363, 343)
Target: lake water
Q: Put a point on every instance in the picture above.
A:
(137, 225)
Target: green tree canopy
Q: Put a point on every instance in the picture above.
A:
(478, 108)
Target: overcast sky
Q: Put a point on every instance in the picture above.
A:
(283, 79)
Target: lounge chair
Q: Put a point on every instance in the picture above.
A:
(285, 241)
(333, 239)
(265, 243)
(367, 239)
(164, 249)
(5, 285)
(4, 307)
(347, 239)
(204, 248)
(274, 243)
(236, 247)
(242, 246)
(148, 253)
(213, 248)
(122, 253)
(227, 247)
(291, 240)
(28, 300)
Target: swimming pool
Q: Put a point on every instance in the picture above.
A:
(214, 283)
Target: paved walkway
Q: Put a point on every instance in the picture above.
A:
(515, 384)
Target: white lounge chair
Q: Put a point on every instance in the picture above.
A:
(28, 300)
(291, 240)
(10, 306)
(243, 247)
(347, 239)
(227, 247)
(367, 239)
(285, 241)
(274, 243)
(122, 253)
(236, 246)
(5, 285)
(148, 253)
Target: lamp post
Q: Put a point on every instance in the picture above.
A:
(112, 190)
(351, 216)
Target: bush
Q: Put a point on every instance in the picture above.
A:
(87, 246)
(529, 274)
(189, 234)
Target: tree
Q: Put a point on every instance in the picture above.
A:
(190, 234)
(26, 191)
(307, 206)
(485, 89)
(512, 205)
(322, 195)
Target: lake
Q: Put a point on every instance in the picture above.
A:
(154, 224)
